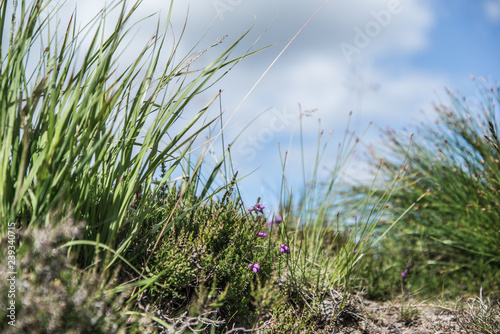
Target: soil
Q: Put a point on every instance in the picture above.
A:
(386, 318)
(361, 316)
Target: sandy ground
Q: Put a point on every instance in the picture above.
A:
(386, 318)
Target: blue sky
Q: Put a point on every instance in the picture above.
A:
(422, 48)
(464, 40)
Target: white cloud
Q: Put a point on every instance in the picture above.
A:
(327, 84)
(492, 10)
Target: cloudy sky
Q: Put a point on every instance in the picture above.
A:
(384, 60)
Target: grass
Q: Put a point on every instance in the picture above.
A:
(99, 243)
(479, 315)
(451, 235)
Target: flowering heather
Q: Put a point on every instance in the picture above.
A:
(255, 267)
(257, 207)
(262, 234)
(405, 272)
(284, 249)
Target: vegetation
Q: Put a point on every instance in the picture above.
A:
(112, 221)
(451, 236)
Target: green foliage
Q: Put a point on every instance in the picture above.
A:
(379, 275)
(209, 248)
(461, 174)
(85, 140)
(329, 234)
(289, 320)
(451, 234)
(86, 135)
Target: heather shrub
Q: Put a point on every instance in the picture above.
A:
(52, 297)
(203, 261)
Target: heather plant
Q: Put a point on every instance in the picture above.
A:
(215, 247)
(52, 297)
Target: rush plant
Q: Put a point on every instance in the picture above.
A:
(84, 133)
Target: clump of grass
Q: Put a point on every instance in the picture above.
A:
(87, 135)
(327, 238)
(479, 315)
(451, 234)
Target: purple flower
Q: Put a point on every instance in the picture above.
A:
(284, 249)
(404, 273)
(138, 195)
(257, 207)
(255, 267)
(262, 234)
(355, 251)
